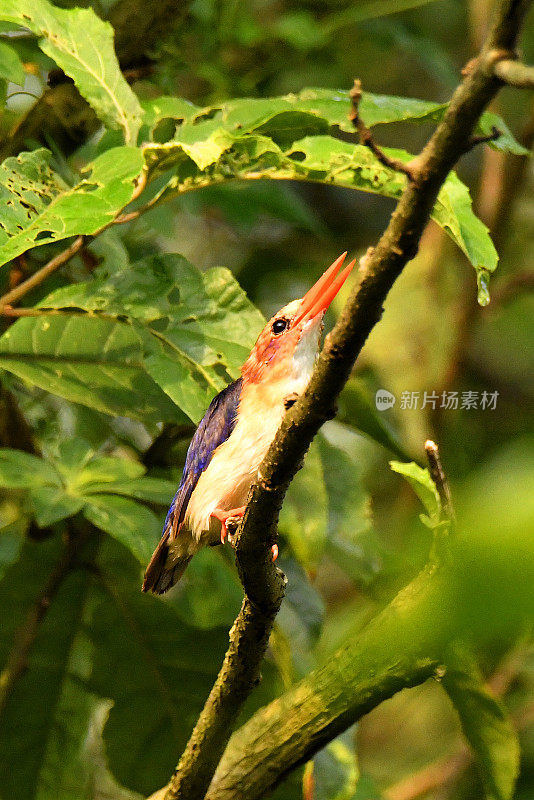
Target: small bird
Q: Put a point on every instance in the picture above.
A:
(237, 430)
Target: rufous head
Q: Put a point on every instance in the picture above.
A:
(291, 338)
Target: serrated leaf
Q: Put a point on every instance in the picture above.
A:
(92, 361)
(161, 323)
(423, 485)
(167, 669)
(11, 67)
(82, 45)
(486, 726)
(37, 207)
(45, 720)
(19, 470)
(131, 523)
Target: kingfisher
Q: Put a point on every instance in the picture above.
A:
(237, 430)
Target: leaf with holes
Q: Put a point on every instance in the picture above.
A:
(309, 112)
(319, 158)
(82, 45)
(37, 207)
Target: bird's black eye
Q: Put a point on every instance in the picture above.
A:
(279, 326)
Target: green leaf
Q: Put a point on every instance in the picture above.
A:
(107, 470)
(311, 111)
(487, 727)
(151, 490)
(93, 361)
(316, 157)
(211, 593)
(82, 45)
(351, 541)
(166, 670)
(19, 470)
(299, 621)
(304, 514)
(52, 503)
(335, 769)
(424, 487)
(161, 323)
(131, 523)
(357, 409)
(45, 720)
(453, 211)
(11, 67)
(37, 207)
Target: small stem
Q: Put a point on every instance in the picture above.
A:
(366, 137)
(438, 476)
(38, 277)
(514, 73)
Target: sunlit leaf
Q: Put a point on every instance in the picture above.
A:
(37, 207)
(11, 67)
(161, 323)
(82, 45)
(423, 485)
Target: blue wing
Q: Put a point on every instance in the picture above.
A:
(214, 429)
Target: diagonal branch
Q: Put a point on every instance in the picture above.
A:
(262, 582)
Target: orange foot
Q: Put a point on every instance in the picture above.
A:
(274, 551)
(224, 516)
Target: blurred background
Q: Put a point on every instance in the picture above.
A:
(362, 539)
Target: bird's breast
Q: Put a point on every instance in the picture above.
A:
(226, 481)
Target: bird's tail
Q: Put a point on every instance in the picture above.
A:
(159, 577)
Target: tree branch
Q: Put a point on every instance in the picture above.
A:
(514, 73)
(269, 746)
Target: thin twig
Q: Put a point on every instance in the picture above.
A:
(366, 137)
(474, 141)
(438, 476)
(38, 277)
(62, 258)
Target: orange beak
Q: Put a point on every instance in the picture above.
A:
(317, 300)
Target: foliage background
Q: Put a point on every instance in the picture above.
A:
(115, 679)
